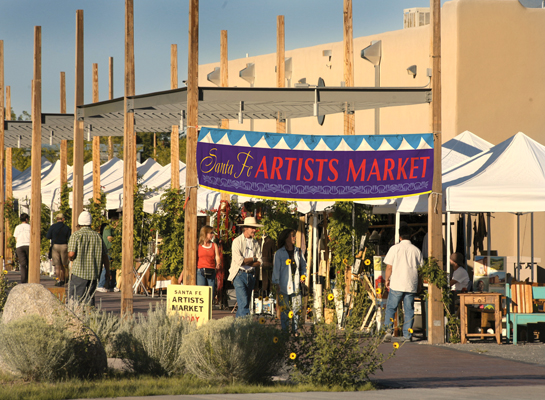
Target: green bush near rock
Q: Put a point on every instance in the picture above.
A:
(38, 351)
(151, 344)
(234, 351)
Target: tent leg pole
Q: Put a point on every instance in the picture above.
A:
(465, 235)
(398, 222)
(448, 243)
(518, 247)
(532, 243)
(488, 238)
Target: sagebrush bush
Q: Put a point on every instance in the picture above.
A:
(105, 325)
(324, 355)
(5, 287)
(234, 350)
(38, 351)
(151, 344)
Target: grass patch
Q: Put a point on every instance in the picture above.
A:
(122, 386)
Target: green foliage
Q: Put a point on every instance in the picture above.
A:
(277, 216)
(12, 218)
(97, 211)
(151, 344)
(45, 223)
(342, 233)
(169, 222)
(38, 351)
(20, 158)
(65, 208)
(431, 272)
(5, 287)
(233, 350)
(323, 355)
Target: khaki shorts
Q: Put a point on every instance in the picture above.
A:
(59, 255)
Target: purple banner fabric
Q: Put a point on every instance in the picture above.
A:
(314, 175)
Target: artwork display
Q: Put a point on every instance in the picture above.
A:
(489, 274)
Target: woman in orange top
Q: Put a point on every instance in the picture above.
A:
(208, 259)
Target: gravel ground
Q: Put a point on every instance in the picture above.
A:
(533, 353)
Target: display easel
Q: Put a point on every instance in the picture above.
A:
(140, 273)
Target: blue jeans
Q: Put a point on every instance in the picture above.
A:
(102, 280)
(244, 285)
(204, 281)
(289, 302)
(394, 298)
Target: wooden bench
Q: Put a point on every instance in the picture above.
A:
(520, 306)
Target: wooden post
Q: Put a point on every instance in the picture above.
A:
(8, 103)
(64, 143)
(129, 165)
(280, 68)
(224, 82)
(436, 327)
(96, 143)
(77, 170)
(63, 92)
(175, 132)
(36, 163)
(349, 116)
(9, 195)
(110, 96)
(2, 198)
(190, 226)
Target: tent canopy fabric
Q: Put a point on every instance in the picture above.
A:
(509, 177)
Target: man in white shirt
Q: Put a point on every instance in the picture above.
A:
(22, 236)
(245, 258)
(460, 277)
(402, 263)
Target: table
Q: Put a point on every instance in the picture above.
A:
(480, 298)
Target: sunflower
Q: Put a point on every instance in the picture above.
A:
(261, 320)
(275, 340)
(303, 278)
(288, 261)
(266, 299)
(281, 308)
(410, 330)
(330, 296)
(345, 261)
(260, 298)
(391, 320)
(293, 356)
(367, 262)
(290, 314)
(379, 291)
(396, 345)
(5, 272)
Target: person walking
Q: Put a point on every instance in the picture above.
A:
(402, 263)
(22, 246)
(107, 234)
(208, 259)
(289, 271)
(88, 253)
(245, 258)
(59, 234)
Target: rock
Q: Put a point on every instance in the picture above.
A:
(33, 298)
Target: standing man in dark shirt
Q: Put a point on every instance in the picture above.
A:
(59, 234)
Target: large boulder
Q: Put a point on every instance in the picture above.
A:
(33, 298)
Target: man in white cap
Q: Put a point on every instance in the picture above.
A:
(88, 253)
(246, 257)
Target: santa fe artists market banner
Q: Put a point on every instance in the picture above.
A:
(308, 167)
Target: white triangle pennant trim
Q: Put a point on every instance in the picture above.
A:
(282, 145)
(243, 142)
(262, 144)
(224, 140)
(301, 146)
(364, 146)
(385, 146)
(322, 146)
(207, 139)
(423, 145)
(405, 145)
(343, 146)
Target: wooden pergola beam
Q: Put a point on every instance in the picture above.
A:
(349, 117)
(110, 96)
(96, 142)
(2, 113)
(280, 67)
(174, 133)
(36, 162)
(129, 165)
(77, 171)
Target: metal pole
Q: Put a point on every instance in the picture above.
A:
(532, 244)
(518, 247)
(448, 242)
(398, 222)
(489, 239)
(377, 109)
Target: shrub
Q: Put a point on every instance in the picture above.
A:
(38, 351)
(5, 287)
(323, 355)
(234, 350)
(151, 344)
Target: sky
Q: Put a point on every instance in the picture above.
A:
(251, 26)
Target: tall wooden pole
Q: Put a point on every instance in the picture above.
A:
(36, 163)
(224, 82)
(110, 96)
(280, 68)
(8, 103)
(349, 116)
(64, 143)
(436, 328)
(2, 198)
(129, 165)
(174, 133)
(190, 225)
(77, 170)
(9, 195)
(96, 143)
